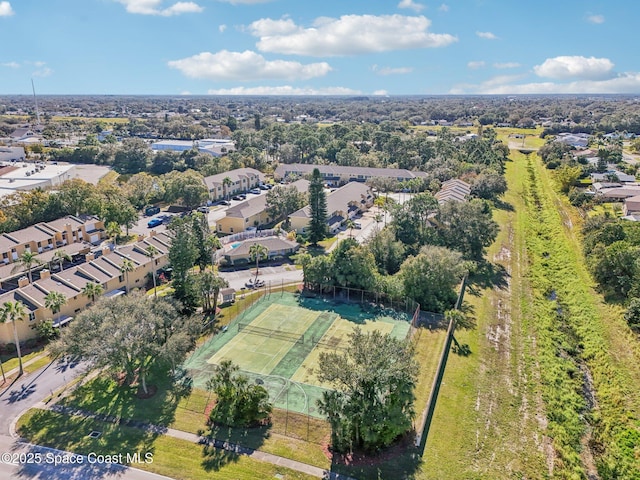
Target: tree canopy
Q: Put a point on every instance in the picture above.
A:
(372, 401)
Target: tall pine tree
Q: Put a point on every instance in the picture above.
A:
(318, 204)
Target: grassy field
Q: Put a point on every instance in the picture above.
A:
(10, 362)
(488, 421)
(176, 458)
(552, 369)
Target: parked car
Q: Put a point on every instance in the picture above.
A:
(154, 222)
(264, 187)
(357, 225)
(237, 198)
(151, 210)
(255, 191)
(225, 202)
(203, 209)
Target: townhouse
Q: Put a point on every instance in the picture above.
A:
(251, 213)
(335, 175)
(239, 180)
(453, 190)
(47, 236)
(103, 267)
(342, 204)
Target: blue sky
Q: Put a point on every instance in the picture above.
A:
(351, 47)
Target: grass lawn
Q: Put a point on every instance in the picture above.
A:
(486, 419)
(9, 362)
(186, 411)
(175, 458)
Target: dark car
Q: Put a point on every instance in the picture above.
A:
(237, 197)
(154, 222)
(224, 202)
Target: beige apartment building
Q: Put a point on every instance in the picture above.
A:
(104, 269)
(240, 180)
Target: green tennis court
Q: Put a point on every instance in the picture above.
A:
(277, 342)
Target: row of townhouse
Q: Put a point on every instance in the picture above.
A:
(47, 236)
(453, 190)
(336, 175)
(342, 204)
(105, 269)
(251, 213)
(224, 185)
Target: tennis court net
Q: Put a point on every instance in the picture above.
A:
(266, 332)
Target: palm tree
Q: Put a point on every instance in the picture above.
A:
(257, 252)
(54, 302)
(126, 267)
(113, 231)
(27, 261)
(12, 312)
(92, 290)
(350, 224)
(152, 252)
(226, 183)
(60, 256)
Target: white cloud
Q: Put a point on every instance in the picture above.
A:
(487, 35)
(391, 70)
(597, 19)
(503, 85)
(506, 65)
(43, 72)
(10, 65)
(381, 93)
(285, 90)
(267, 27)
(222, 28)
(5, 9)
(185, 92)
(443, 8)
(348, 35)
(153, 7)
(565, 67)
(244, 2)
(417, 7)
(246, 66)
(476, 64)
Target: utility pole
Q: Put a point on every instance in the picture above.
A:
(36, 101)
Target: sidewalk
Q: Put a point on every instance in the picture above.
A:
(14, 371)
(203, 440)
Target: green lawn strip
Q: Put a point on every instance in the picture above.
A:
(616, 422)
(173, 457)
(485, 420)
(9, 362)
(37, 364)
(187, 413)
(429, 345)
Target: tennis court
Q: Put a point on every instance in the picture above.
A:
(278, 340)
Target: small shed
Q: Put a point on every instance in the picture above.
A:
(227, 295)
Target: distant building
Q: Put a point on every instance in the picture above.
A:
(212, 146)
(12, 154)
(454, 190)
(276, 247)
(342, 204)
(251, 213)
(242, 179)
(17, 176)
(335, 175)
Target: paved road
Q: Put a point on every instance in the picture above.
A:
(275, 275)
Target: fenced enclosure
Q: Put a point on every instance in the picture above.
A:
(277, 338)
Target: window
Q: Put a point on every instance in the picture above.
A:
(77, 310)
(32, 316)
(231, 229)
(121, 278)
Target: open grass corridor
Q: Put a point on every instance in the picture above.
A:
(550, 388)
